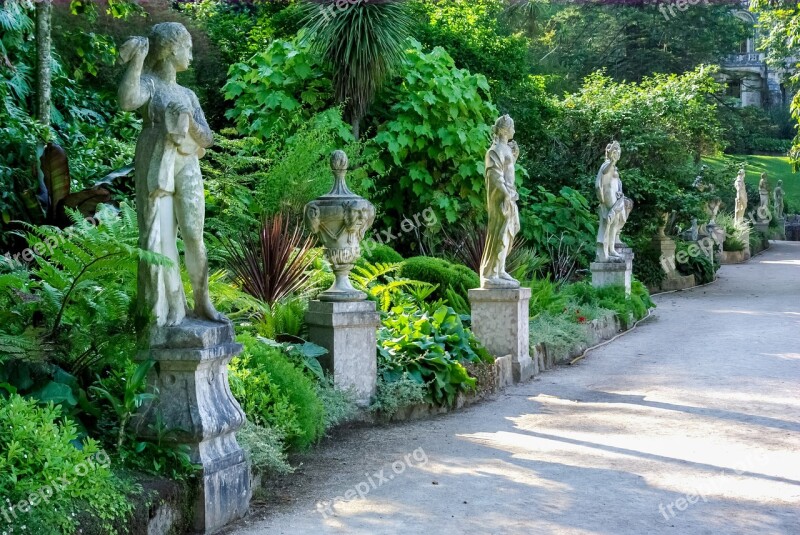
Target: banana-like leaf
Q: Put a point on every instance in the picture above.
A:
(113, 175)
(56, 176)
(85, 202)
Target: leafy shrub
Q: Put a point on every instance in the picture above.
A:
(545, 296)
(378, 253)
(647, 267)
(340, 405)
(566, 217)
(434, 127)
(40, 458)
(699, 265)
(442, 273)
(625, 307)
(431, 347)
(735, 233)
(275, 393)
(557, 331)
(276, 88)
(264, 448)
(395, 395)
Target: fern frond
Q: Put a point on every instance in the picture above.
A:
(364, 275)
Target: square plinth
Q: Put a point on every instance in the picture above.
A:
(612, 274)
(348, 330)
(500, 320)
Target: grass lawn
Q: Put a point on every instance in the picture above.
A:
(776, 167)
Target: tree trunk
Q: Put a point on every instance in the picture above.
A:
(44, 46)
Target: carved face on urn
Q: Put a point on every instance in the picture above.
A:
(356, 218)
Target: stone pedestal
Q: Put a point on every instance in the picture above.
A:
(781, 228)
(612, 274)
(500, 320)
(673, 279)
(348, 330)
(196, 407)
(762, 227)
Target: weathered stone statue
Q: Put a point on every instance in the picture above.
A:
(614, 206)
(777, 196)
(741, 197)
(662, 227)
(193, 405)
(169, 186)
(340, 219)
(763, 192)
(713, 208)
(501, 198)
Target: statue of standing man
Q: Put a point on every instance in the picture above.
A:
(614, 206)
(501, 198)
(169, 186)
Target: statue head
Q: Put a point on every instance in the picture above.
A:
(169, 41)
(780, 183)
(504, 126)
(741, 174)
(613, 151)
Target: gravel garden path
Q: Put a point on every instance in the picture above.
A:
(690, 424)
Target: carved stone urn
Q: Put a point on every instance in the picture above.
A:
(340, 219)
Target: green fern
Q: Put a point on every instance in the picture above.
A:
(86, 280)
(385, 290)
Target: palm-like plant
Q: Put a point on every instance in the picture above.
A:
(362, 42)
(273, 263)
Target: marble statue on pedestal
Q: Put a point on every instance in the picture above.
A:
(501, 198)
(614, 206)
(763, 192)
(741, 197)
(169, 186)
(192, 404)
(777, 196)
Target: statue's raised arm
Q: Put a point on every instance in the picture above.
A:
(133, 94)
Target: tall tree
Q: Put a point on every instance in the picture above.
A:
(363, 42)
(779, 22)
(634, 41)
(44, 58)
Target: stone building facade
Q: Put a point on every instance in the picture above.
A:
(748, 76)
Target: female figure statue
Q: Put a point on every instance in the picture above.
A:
(169, 186)
(614, 206)
(763, 192)
(501, 198)
(777, 196)
(741, 197)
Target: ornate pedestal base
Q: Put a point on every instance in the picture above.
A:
(612, 274)
(348, 330)
(196, 405)
(762, 227)
(781, 228)
(500, 320)
(673, 279)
